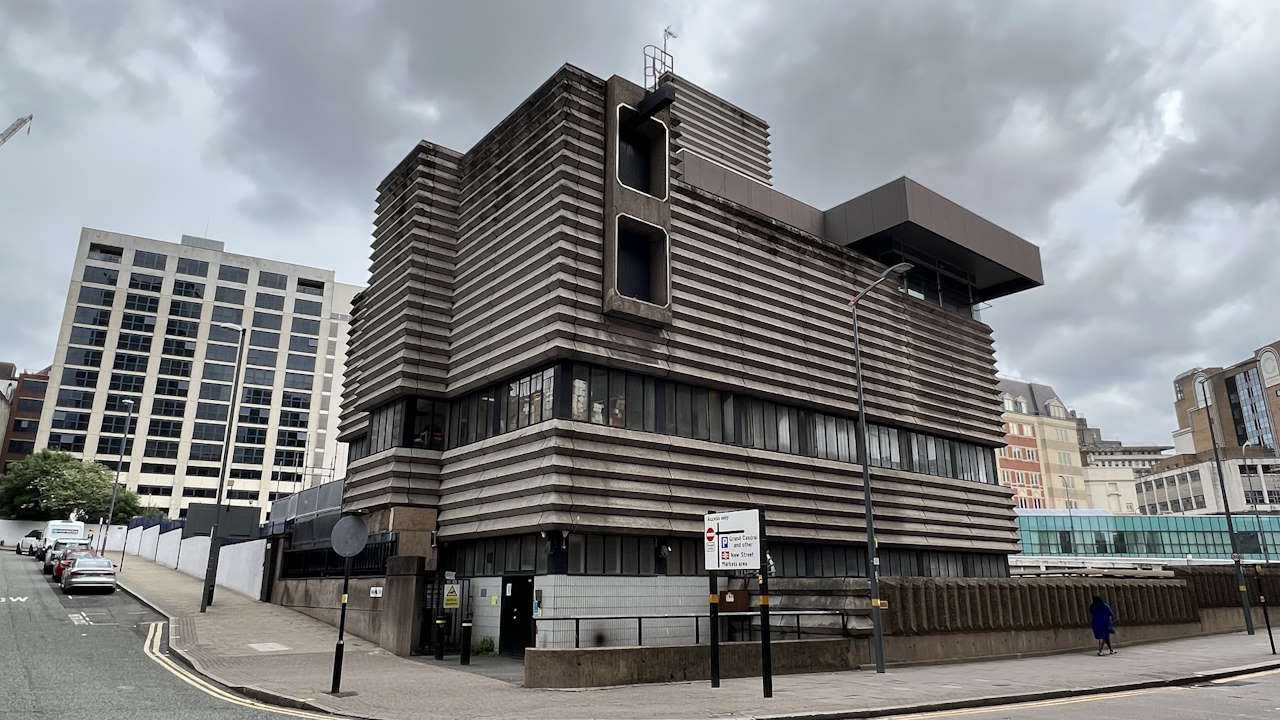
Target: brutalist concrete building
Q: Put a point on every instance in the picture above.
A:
(602, 321)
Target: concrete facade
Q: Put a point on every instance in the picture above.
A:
(582, 334)
(142, 322)
(1189, 484)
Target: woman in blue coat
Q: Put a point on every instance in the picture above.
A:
(1102, 617)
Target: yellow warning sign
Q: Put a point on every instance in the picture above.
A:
(451, 597)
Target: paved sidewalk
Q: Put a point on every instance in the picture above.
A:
(218, 644)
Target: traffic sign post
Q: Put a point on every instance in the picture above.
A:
(734, 541)
(766, 653)
(348, 539)
(1262, 600)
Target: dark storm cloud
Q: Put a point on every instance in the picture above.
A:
(1002, 106)
(324, 98)
(1232, 111)
(97, 47)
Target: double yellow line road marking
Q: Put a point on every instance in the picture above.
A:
(155, 632)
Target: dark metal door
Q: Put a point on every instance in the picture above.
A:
(516, 630)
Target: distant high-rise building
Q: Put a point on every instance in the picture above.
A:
(157, 324)
(1244, 400)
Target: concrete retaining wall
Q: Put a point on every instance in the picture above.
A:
(318, 598)
(598, 667)
(133, 541)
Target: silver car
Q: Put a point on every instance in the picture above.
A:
(89, 572)
(54, 553)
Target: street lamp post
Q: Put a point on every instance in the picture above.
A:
(1226, 510)
(873, 560)
(115, 486)
(211, 569)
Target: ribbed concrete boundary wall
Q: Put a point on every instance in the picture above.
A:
(150, 542)
(925, 606)
(1215, 586)
(168, 548)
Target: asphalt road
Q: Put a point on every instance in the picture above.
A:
(82, 656)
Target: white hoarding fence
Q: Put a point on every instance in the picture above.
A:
(732, 540)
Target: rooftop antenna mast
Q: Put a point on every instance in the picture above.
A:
(657, 61)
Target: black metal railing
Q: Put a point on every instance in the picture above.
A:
(324, 562)
(780, 630)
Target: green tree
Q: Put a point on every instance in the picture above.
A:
(52, 485)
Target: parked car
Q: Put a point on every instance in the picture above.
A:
(54, 552)
(29, 543)
(86, 572)
(67, 557)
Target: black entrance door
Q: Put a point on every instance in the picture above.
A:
(516, 631)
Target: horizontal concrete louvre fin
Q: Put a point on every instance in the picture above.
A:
(669, 482)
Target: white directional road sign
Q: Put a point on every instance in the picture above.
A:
(732, 540)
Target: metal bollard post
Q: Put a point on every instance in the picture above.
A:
(439, 638)
(466, 641)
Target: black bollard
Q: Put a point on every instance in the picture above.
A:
(466, 641)
(439, 638)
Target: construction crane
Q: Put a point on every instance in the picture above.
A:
(15, 127)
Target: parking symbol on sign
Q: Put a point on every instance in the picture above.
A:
(724, 542)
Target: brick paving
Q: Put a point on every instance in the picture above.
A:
(386, 686)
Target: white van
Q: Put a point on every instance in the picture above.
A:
(56, 530)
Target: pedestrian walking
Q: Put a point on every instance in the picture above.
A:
(1103, 619)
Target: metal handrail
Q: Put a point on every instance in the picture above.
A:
(697, 637)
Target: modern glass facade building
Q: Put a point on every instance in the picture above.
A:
(1175, 537)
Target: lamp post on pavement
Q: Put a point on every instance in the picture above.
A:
(873, 561)
(1226, 510)
(115, 486)
(211, 569)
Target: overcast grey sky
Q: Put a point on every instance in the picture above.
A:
(1137, 143)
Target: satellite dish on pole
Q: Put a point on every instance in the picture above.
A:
(349, 536)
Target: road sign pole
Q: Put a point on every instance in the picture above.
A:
(715, 628)
(766, 654)
(348, 539)
(342, 627)
(1262, 600)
